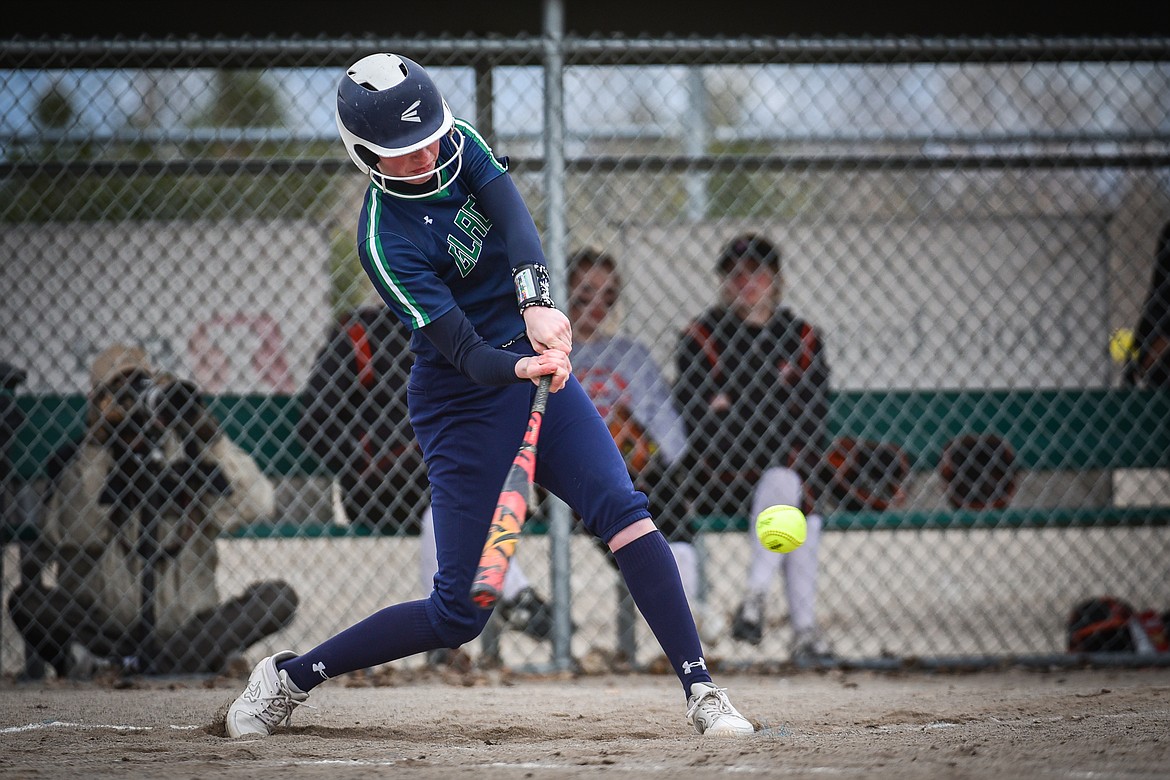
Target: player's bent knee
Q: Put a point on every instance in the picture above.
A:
(632, 532)
(458, 624)
(457, 632)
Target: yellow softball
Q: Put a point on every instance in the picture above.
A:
(781, 528)
(1122, 346)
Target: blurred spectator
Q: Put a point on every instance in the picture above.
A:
(753, 386)
(12, 520)
(355, 420)
(634, 398)
(133, 514)
(1151, 367)
(11, 418)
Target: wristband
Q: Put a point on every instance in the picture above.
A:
(532, 286)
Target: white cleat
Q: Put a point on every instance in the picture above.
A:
(711, 713)
(267, 702)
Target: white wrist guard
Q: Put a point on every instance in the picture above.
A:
(532, 286)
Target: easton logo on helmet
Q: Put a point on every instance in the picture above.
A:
(411, 113)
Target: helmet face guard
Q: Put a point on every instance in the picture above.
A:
(387, 106)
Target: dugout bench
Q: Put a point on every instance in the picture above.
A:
(1050, 431)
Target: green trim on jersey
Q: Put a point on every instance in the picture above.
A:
(385, 277)
(445, 176)
(444, 183)
(474, 135)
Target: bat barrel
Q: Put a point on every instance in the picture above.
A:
(511, 511)
(485, 596)
(488, 585)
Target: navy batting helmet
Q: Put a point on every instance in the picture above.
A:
(388, 106)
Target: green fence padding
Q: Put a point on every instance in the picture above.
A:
(1049, 429)
(264, 425)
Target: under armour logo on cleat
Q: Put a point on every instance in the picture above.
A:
(319, 668)
(689, 665)
(411, 113)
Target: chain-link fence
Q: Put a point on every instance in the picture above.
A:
(964, 381)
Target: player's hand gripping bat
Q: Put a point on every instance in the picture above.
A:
(511, 509)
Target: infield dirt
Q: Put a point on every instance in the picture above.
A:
(993, 724)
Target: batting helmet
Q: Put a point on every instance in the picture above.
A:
(388, 106)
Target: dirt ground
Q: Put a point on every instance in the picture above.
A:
(994, 724)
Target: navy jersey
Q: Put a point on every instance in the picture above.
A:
(430, 255)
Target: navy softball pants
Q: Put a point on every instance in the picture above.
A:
(469, 435)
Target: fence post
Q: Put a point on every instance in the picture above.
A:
(561, 521)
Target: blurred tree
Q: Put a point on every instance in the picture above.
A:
(54, 110)
(56, 118)
(350, 286)
(243, 98)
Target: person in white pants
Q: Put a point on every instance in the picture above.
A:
(799, 568)
(753, 383)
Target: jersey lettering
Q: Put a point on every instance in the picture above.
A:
(465, 257)
(475, 226)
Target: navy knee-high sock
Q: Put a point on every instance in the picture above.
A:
(394, 632)
(652, 578)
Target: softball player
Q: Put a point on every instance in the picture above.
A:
(452, 249)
